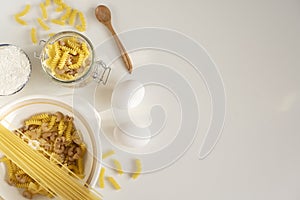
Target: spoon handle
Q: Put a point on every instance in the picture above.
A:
(125, 56)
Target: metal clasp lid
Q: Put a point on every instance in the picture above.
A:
(101, 72)
(35, 54)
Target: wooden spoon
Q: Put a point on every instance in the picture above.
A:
(103, 15)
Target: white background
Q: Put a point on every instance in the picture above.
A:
(256, 45)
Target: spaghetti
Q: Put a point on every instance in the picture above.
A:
(49, 175)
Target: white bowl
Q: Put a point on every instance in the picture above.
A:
(21, 67)
(13, 114)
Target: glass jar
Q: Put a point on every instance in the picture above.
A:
(62, 53)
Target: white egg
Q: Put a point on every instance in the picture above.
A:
(128, 94)
(131, 136)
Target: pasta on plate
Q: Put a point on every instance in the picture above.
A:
(58, 140)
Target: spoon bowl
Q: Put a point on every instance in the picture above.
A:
(103, 14)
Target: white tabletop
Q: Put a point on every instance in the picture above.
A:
(256, 46)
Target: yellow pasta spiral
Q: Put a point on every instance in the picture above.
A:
(75, 66)
(20, 21)
(10, 169)
(43, 24)
(33, 122)
(58, 2)
(50, 50)
(51, 34)
(54, 61)
(83, 148)
(63, 60)
(52, 121)
(101, 178)
(48, 61)
(118, 166)
(72, 51)
(74, 46)
(59, 8)
(108, 154)
(24, 12)
(67, 14)
(80, 165)
(56, 47)
(68, 132)
(73, 17)
(138, 171)
(61, 127)
(25, 178)
(40, 116)
(33, 36)
(65, 76)
(22, 185)
(4, 159)
(85, 49)
(58, 22)
(47, 3)
(79, 62)
(82, 26)
(19, 172)
(113, 182)
(44, 11)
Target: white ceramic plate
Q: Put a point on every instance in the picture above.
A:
(15, 113)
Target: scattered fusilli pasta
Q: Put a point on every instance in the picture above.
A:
(68, 17)
(113, 182)
(118, 166)
(108, 154)
(138, 171)
(58, 22)
(20, 21)
(82, 26)
(24, 12)
(44, 11)
(101, 178)
(43, 24)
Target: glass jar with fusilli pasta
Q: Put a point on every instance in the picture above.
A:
(68, 58)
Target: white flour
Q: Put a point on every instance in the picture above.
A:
(14, 69)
